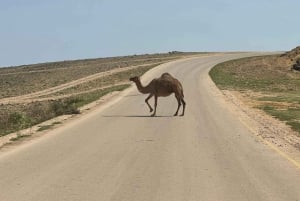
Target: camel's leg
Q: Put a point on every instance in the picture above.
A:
(183, 103)
(179, 104)
(148, 102)
(155, 105)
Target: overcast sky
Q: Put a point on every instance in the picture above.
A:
(34, 31)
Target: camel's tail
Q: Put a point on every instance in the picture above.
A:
(182, 93)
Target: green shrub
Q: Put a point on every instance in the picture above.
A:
(68, 106)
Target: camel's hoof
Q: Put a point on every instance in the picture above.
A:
(152, 115)
(175, 114)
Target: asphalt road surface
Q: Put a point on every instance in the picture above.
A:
(119, 153)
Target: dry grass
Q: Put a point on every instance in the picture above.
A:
(109, 80)
(262, 74)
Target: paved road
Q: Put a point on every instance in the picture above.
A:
(118, 153)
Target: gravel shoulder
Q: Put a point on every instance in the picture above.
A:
(267, 128)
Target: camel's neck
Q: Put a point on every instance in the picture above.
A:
(141, 88)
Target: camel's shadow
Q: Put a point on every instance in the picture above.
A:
(138, 116)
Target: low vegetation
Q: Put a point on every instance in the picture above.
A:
(271, 84)
(20, 116)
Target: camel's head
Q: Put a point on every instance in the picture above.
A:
(134, 79)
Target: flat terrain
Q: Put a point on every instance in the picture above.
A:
(117, 152)
(32, 94)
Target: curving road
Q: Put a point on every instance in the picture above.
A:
(118, 153)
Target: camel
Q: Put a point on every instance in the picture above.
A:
(163, 86)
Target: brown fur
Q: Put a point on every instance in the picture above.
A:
(162, 87)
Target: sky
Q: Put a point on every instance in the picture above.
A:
(35, 31)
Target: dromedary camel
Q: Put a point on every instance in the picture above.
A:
(163, 86)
